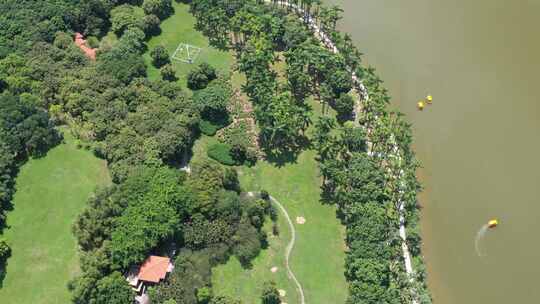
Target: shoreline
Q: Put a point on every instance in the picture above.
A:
(323, 37)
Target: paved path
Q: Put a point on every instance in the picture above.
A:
(290, 246)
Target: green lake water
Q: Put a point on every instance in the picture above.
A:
(480, 140)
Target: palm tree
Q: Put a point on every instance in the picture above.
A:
(335, 15)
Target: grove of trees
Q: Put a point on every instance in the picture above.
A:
(143, 129)
(358, 164)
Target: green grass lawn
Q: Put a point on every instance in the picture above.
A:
(232, 279)
(179, 28)
(319, 254)
(51, 192)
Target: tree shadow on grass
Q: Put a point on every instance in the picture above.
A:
(3, 267)
(288, 154)
(3, 272)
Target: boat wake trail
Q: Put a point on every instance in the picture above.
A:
(479, 236)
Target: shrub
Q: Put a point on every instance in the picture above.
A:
(221, 153)
(265, 195)
(208, 70)
(161, 8)
(160, 57)
(208, 128)
(212, 102)
(5, 251)
(62, 40)
(167, 73)
(270, 294)
(199, 77)
(204, 295)
(275, 229)
(92, 42)
(344, 106)
(248, 243)
(150, 25)
(123, 17)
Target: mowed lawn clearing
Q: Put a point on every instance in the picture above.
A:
(319, 254)
(180, 28)
(51, 192)
(245, 284)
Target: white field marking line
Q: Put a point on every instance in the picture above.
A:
(324, 38)
(191, 57)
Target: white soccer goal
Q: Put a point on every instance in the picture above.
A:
(186, 53)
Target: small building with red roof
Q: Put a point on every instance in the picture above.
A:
(151, 272)
(81, 43)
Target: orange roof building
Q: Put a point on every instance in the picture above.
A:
(81, 43)
(152, 271)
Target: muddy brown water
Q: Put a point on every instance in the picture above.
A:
(479, 143)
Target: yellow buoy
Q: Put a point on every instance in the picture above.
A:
(420, 105)
(493, 223)
(429, 99)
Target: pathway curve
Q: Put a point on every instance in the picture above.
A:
(289, 248)
(324, 38)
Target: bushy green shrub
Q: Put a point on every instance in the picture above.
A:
(270, 294)
(160, 56)
(161, 8)
(5, 251)
(150, 25)
(221, 153)
(92, 42)
(168, 73)
(248, 243)
(199, 77)
(208, 128)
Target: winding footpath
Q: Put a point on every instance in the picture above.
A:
(289, 248)
(324, 38)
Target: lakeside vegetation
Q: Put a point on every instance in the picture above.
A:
(264, 118)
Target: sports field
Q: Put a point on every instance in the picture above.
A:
(51, 192)
(177, 29)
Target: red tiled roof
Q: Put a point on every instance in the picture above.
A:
(154, 269)
(81, 43)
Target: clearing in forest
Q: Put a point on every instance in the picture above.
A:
(179, 29)
(51, 192)
(318, 256)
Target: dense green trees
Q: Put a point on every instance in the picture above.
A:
(113, 289)
(141, 127)
(344, 106)
(199, 77)
(160, 8)
(270, 294)
(123, 17)
(140, 228)
(222, 153)
(168, 72)
(212, 102)
(5, 251)
(160, 56)
(22, 23)
(25, 131)
(357, 184)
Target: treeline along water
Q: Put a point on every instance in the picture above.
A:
(478, 143)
